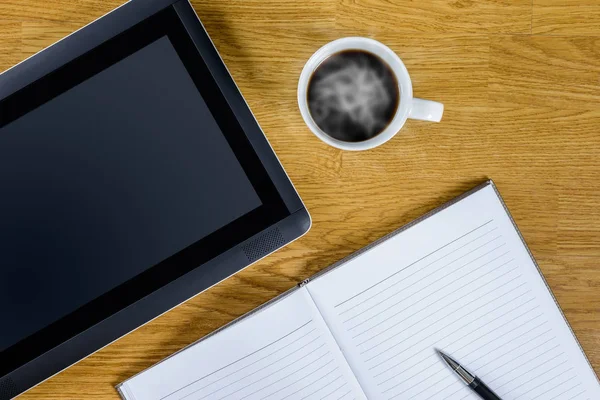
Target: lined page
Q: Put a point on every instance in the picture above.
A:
(463, 282)
(284, 351)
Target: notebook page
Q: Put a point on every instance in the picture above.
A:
(463, 282)
(284, 351)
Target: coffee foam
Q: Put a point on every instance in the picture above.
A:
(351, 89)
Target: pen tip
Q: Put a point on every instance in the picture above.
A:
(440, 353)
(447, 359)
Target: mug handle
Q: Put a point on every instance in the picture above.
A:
(426, 110)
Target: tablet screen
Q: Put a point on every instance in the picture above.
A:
(106, 180)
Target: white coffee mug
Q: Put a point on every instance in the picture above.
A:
(409, 107)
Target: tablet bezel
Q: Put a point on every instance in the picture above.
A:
(198, 266)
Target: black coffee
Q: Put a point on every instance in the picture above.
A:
(353, 95)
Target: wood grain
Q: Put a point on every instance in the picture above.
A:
(570, 17)
(450, 16)
(563, 72)
(37, 35)
(521, 108)
(10, 45)
(81, 11)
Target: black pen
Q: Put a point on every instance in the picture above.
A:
(470, 380)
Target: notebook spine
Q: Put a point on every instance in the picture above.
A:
(304, 282)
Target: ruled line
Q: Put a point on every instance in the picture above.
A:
(333, 391)
(234, 362)
(440, 369)
(422, 268)
(455, 351)
(528, 351)
(433, 272)
(433, 313)
(429, 386)
(260, 359)
(298, 380)
(422, 258)
(533, 379)
(508, 362)
(293, 383)
(504, 314)
(485, 355)
(321, 388)
(266, 377)
(461, 327)
(540, 384)
(528, 371)
(552, 388)
(312, 383)
(435, 373)
(278, 370)
(344, 395)
(434, 322)
(415, 272)
(498, 368)
(418, 373)
(436, 360)
(453, 382)
(466, 284)
(568, 390)
(292, 368)
(511, 339)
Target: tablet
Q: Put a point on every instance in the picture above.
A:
(133, 177)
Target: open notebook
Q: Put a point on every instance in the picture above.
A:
(460, 279)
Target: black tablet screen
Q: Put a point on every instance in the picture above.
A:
(105, 181)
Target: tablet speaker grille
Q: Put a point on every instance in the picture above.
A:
(264, 244)
(8, 389)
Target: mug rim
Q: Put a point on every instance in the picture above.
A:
(389, 57)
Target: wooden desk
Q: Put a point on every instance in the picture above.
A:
(520, 80)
